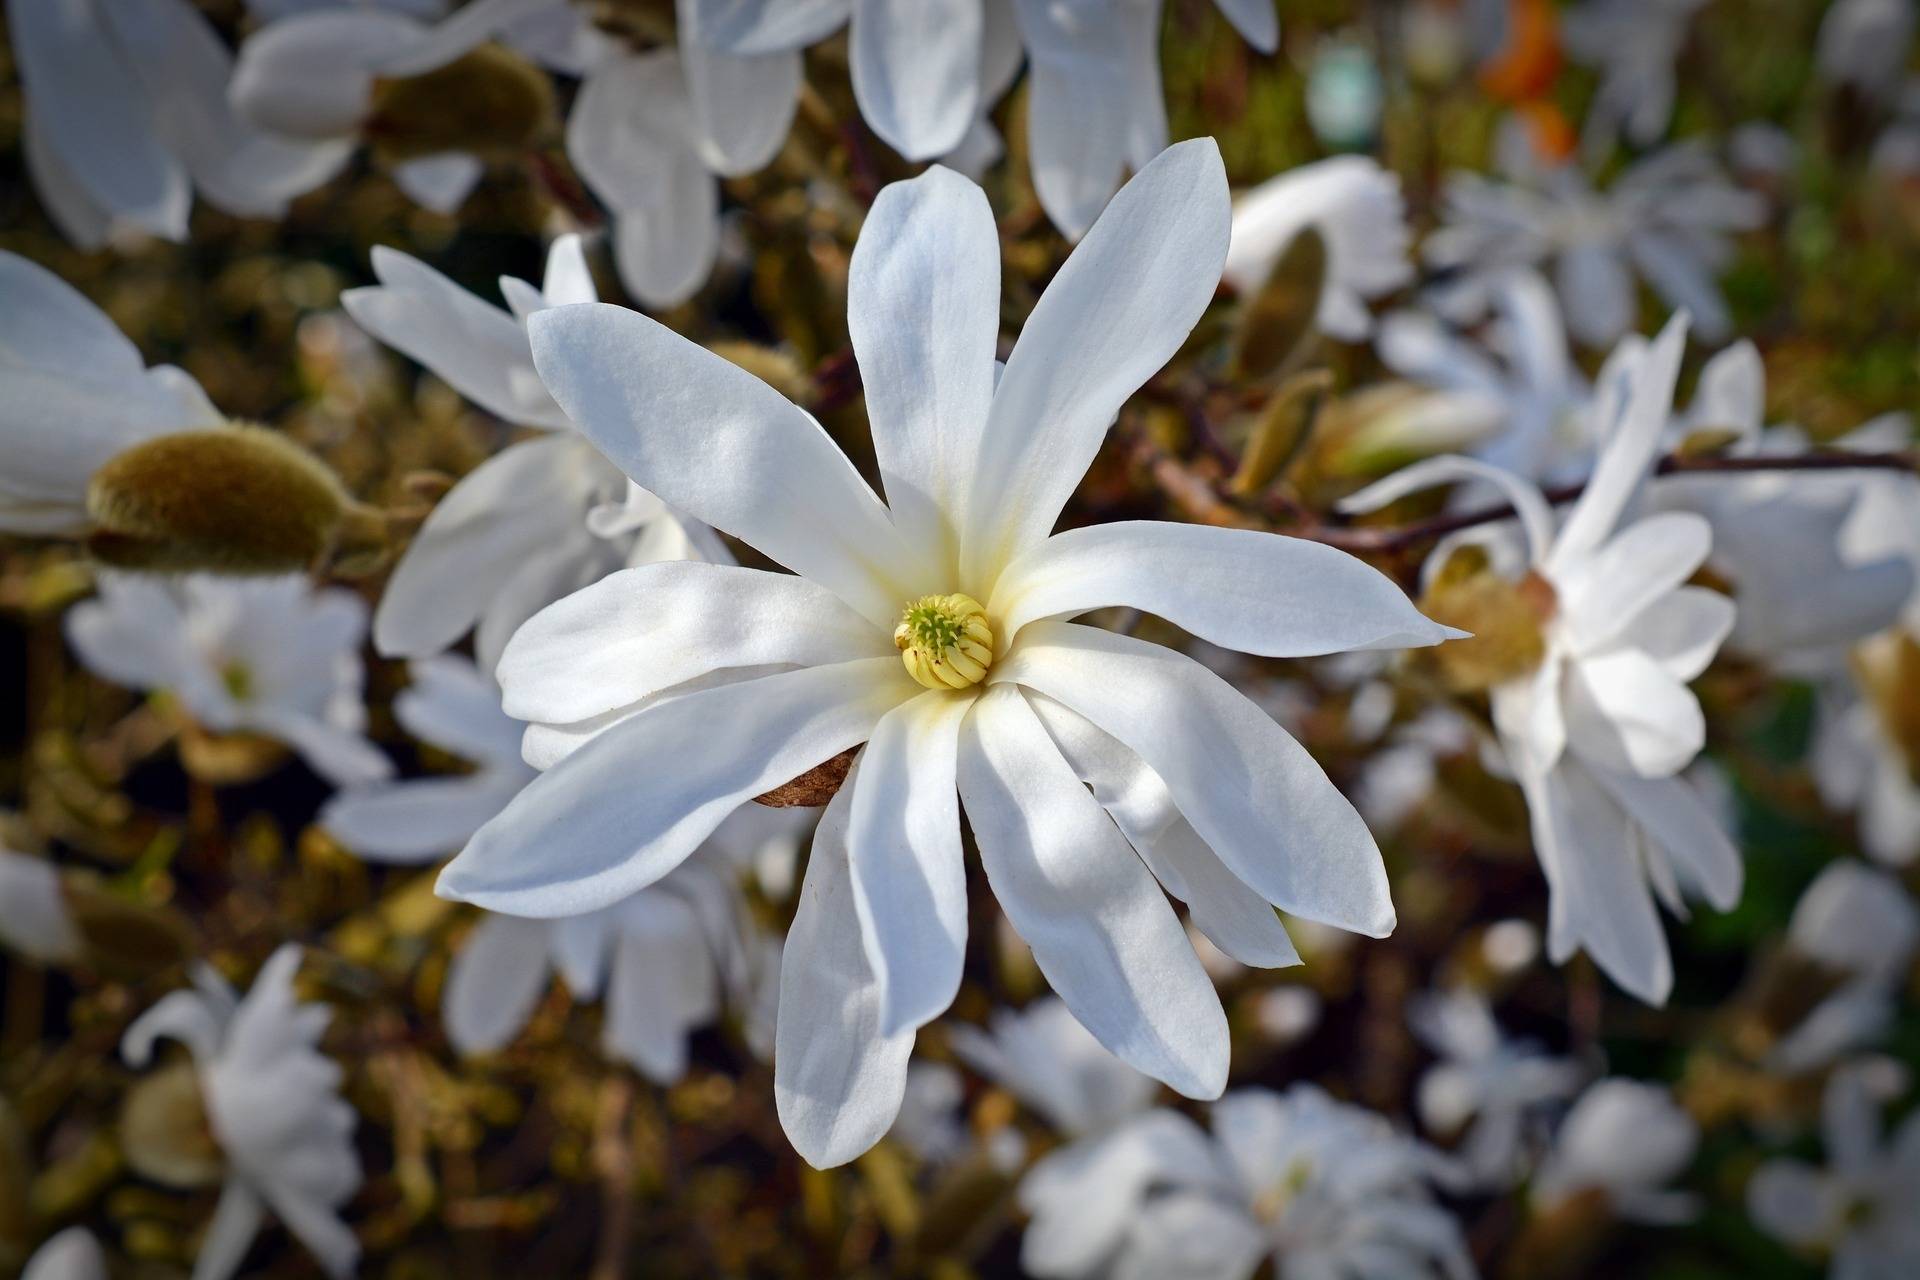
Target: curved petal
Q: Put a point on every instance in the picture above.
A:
(640, 631)
(1255, 20)
(1626, 712)
(1256, 592)
(762, 26)
(631, 804)
(1252, 793)
(441, 182)
(1674, 818)
(916, 71)
(1596, 293)
(495, 982)
(1117, 311)
(838, 1081)
(1100, 929)
(418, 821)
(48, 325)
(236, 1221)
(661, 986)
(718, 443)
(923, 308)
(1529, 504)
(1681, 631)
(742, 106)
(73, 1254)
(185, 1016)
(1078, 100)
(311, 76)
(1602, 595)
(904, 859)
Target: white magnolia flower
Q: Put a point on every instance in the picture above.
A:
(1598, 729)
(1320, 1187)
(549, 512)
(1485, 1080)
(127, 115)
(1804, 590)
(1667, 217)
(1531, 393)
(273, 1102)
(1866, 44)
(73, 1254)
(1857, 1211)
(1355, 206)
(1043, 1056)
(1859, 924)
(934, 627)
(1627, 1140)
(1634, 45)
(34, 918)
(74, 392)
(271, 656)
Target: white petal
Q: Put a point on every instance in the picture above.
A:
(1529, 504)
(342, 756)
(1676, 819)
(1600, 902)
(1254, 794)
(762, 26)
(742, 106)
(1596, 293)
(660, 988)
(311, 75)
(644, 630)
(93, 114)
(418, 821)
(1794, 1202)
(719, 444)
(1603, 594)
(72, 210)
(837, 1080)
(1256, 592)
(1681, 631)
(1079, 95)
(510, 508)
(923, 307)
(34, 919)
(495, 982)
(1626, 712)
(909, 880)
(1255, 20)
(471, 26)
(47, 324)
(1072, 887)
(71, 1255)
(916, 71)
(1195, 1236)
(631, 804)
(236, 1221)
(1732, 392)
(440, 183)
(568, 278)
(1626, 456)
(1120, 307)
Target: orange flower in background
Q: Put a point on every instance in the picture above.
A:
(1526, 66)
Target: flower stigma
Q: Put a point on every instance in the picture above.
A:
(945, 641)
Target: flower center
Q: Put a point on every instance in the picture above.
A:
(1508, 620)
(237, 676)
(945, 641)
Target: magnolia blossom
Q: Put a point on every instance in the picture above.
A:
(34, 918)
(274, 1105)
(1627, 1141)
(663, 957)
(1486, 1081)
(666, 695)
(1043, 1056)
(1356, 208)
(1530, 392)
(551, 510)
(1866, 44)
(270, 656)
(74, 392)
(1634, 45)
(1857, 923)
(1597, 720)
(1322, 1188)
(127, 115)
(73, 1254)
(1858, 1210)
(1667, 217)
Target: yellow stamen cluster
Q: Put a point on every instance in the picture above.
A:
(945, 641)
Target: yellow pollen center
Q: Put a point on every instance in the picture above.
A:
(945, 641)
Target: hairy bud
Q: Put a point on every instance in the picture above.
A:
(1507, 619)
(1277, 323)
(236, 499)
(492, 101)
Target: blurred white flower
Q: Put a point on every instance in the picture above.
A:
(73, 1254)
(1320, 1187)
(1044, 1057)
(1485, 1080)
(1634, 45)
(1598, 729)
(127, 115)
(274, 1105)
(929, 1124)
(668, 694)
(550, 512)
(1858, 1210)
(1858, 923)
(74, 392)
(1866, 44)
(1627, 1140)
(1355, 206)
(272, 656)
(1667, 217)
(34, 918)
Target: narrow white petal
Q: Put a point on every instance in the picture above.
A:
(1681, 631)
(762, 26)
(837, 1079)
(1627, 712)
(916, 71)
(73, 1254)
(1685, 829)
(909, 879)
(47, 324)
(495, 982)
(1253, 793)
(1100, 929)
(236, 1221)
(742, 106)
(1256, 20)
(1079, 95)
(1603, 594)
(1529, 504)
(419, 821)
(631, 804)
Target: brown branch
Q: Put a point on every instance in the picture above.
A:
(1400, 537)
